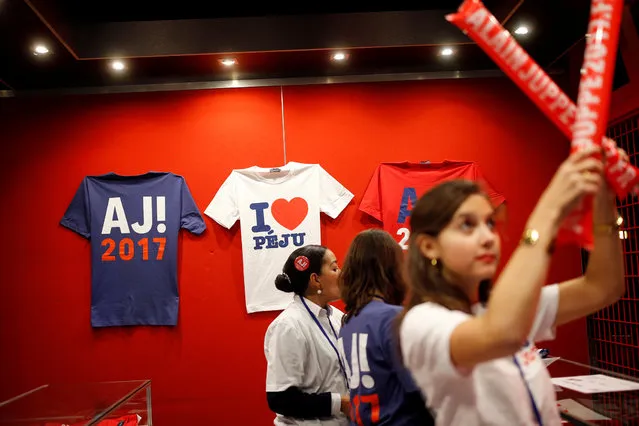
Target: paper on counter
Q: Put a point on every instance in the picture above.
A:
(595, 383)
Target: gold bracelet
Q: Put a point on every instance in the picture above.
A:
(608, 228)
(530, 238)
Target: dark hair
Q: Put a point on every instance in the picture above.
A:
(431, 214)
(292, 280)
(373, 265)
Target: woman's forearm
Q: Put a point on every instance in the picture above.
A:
(514, 299)
(605, 265)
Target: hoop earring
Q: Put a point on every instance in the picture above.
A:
(433, 262)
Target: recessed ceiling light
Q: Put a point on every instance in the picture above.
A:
(228, 62)
(446, 51)
(118, 65)
(521, 30)
(40, 49)
(339, 56)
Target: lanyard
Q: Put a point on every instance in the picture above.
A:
(532, 399)
(339, 359)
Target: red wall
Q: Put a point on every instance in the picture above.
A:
(210, 368)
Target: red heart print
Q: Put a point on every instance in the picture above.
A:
(289, 214)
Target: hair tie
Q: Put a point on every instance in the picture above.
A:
(286, 277)
(301, 263)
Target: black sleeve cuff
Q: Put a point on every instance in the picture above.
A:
(294, 403)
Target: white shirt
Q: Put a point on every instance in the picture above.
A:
(494, 392)
(278, 212)
(298, 354)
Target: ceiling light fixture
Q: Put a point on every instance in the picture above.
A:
(446, 51)
(228, 62)
(40, 49)
(118, 65)
(521, 30)
(339, 56)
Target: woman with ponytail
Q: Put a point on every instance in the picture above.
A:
(305, 379)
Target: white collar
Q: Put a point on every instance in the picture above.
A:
(316, 309)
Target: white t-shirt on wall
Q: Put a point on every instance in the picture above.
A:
(278, 212)
(494, 392)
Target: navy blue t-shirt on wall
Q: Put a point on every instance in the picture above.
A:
(133, 224)
(382, 390)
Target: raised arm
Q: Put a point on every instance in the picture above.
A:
(513, 302)
(603, 284)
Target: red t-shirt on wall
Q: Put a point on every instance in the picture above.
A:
(395, 188)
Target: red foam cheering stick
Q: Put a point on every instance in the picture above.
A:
(593, 103)
(483, 28)
(588, 121)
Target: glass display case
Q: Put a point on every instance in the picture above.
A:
(124, 403)
(592, 406)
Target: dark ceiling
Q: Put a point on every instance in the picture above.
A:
(183, 41)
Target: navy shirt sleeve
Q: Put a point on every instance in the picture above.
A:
(77, 217)
(190, 218)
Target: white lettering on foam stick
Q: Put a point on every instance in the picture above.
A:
(527, 73)
(551, 92)
(499, 41)
(594, 58)
(585, 127)
(477, 19)
(603, 7)
(569, 114)
(510, 47)
(517, 59)
(618, 166)
(488, 26)
(583, 132)
(592, 82)
(539, 82)
(629, 174)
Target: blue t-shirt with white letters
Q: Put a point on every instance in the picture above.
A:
(382, 391)
(133, 224)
